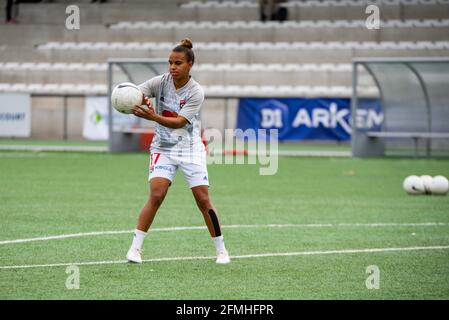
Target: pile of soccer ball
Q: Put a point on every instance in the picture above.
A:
(426, 185)
(125, 96)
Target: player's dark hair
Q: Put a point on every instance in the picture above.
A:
(185, 46)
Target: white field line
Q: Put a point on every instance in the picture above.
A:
(247, 256)
(168, 229)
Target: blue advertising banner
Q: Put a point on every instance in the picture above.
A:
(306, 118)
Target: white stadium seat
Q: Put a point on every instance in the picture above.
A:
(274, 24)
(440, 45)
(337, 3)
(14, 66)
(211, 91)
(43, 66)
(59, 89)
(273, 67)
(388, 45)
(11, 66)
(243, 45)
(306, 3)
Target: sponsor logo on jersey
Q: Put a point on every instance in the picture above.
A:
(182, 103)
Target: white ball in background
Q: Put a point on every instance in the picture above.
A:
(413, 185)
(440, 185)
(427, 181)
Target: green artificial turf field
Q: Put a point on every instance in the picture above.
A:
(306, 232)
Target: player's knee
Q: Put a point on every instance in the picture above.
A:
(204, 203)
(157, 197)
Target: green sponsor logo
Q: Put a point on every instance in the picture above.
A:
(96, 117)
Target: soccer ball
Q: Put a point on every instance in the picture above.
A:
(413, 185)
(427, 181)
(125, 96)
(440, 185)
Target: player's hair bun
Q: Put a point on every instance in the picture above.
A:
(186, 42)
(185, 46)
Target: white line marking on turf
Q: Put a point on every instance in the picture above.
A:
(247, 256)
(168, 229)
(63, 236)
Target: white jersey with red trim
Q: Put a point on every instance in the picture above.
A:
(170, 102)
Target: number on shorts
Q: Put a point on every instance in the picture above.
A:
(154, 157)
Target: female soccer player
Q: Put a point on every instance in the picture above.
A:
(176, 143)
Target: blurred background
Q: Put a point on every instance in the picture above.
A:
(293, 58)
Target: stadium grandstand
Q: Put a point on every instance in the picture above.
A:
(309, 55)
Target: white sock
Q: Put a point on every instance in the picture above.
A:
(139, 236)
(219, 243)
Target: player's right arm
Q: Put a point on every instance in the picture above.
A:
(150, 88)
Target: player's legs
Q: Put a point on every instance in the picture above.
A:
(197, 178)
(201, 195)
(158, 190)
(194, 169)
(162, 172)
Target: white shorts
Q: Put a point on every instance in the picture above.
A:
(165, 164)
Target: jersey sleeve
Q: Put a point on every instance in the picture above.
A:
(192, 106)
(151, 87)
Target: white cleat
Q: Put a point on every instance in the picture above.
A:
(133, 255)
(223, 257)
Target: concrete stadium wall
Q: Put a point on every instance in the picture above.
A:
(26, 35)
(47, 118)
(203, 77)
(54, 13)
(23, 54)
(45, 22)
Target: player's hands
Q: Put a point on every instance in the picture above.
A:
(147, 101)
(145, 111)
